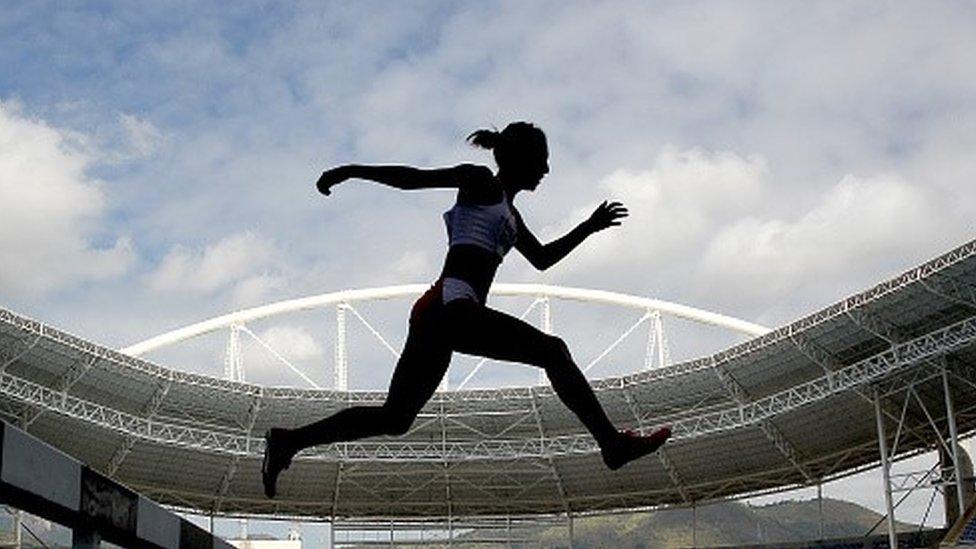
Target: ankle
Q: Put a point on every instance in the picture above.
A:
(284, 439)
(608, 441)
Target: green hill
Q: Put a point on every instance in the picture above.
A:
(719, 524)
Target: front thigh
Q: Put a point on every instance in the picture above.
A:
(482, 331)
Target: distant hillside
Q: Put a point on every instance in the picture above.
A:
(726, 523)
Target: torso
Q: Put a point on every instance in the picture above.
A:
(480, 233)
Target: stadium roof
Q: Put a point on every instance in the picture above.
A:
(791, 407)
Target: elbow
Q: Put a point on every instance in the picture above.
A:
(543, 264)
(543, 259)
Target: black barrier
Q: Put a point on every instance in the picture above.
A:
(45, 482)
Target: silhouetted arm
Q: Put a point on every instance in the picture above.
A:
(405, 177)
(543, 256)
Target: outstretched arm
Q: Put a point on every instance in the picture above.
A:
(404, 177)
(543, 256)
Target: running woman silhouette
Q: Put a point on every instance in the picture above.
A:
(452, 316)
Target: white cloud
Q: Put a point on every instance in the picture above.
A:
(50, 210)
(235, 259)
(255, 290)
(141, 136)
(407, 267)
(674, 207)
(859, 221)
(714, 229)
(293, 343)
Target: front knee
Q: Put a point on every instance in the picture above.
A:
(557, 355)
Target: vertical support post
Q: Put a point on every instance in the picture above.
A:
(820, 509)
(694, 525)
(649, 350)
(885, 471)
(546, 319)
(332, 534)
(391, 534)
(233, 360)
(953, 438)
(546, 313)
(211, 522)
(570, 529)
(341, 374)
(659, 335)
(18, 533)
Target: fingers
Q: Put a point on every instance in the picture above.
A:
(616, 210)
(330, 178)
(609, 214)
(323, 184)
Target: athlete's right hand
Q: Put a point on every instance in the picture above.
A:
(331, 178)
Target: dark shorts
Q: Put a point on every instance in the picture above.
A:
(431, 311)
(428, 308)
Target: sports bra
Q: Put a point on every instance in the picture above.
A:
(488, 226)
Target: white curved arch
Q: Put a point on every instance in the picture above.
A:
(407, 290)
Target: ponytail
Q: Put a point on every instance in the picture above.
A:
(511, 144)
(485, 139)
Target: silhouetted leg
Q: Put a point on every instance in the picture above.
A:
(422, 364)
(419, 371)
(478, 330)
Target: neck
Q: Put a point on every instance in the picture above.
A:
(509, 185)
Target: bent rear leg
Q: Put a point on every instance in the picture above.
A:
(481, 331)
(418, 372)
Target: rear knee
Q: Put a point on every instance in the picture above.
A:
(397, 422)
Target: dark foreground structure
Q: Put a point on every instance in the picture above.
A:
(38, 479)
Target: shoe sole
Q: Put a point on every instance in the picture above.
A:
(667, 435)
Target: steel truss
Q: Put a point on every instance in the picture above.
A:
(758, 412)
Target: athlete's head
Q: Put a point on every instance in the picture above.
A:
(520, 150)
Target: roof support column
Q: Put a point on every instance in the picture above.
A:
(820, 509)
(953, 438)
(545, 312)
(341, 372)
(885, 471)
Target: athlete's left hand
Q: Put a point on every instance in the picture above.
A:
(606, 215)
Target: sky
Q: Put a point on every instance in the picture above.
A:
(157, 160)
